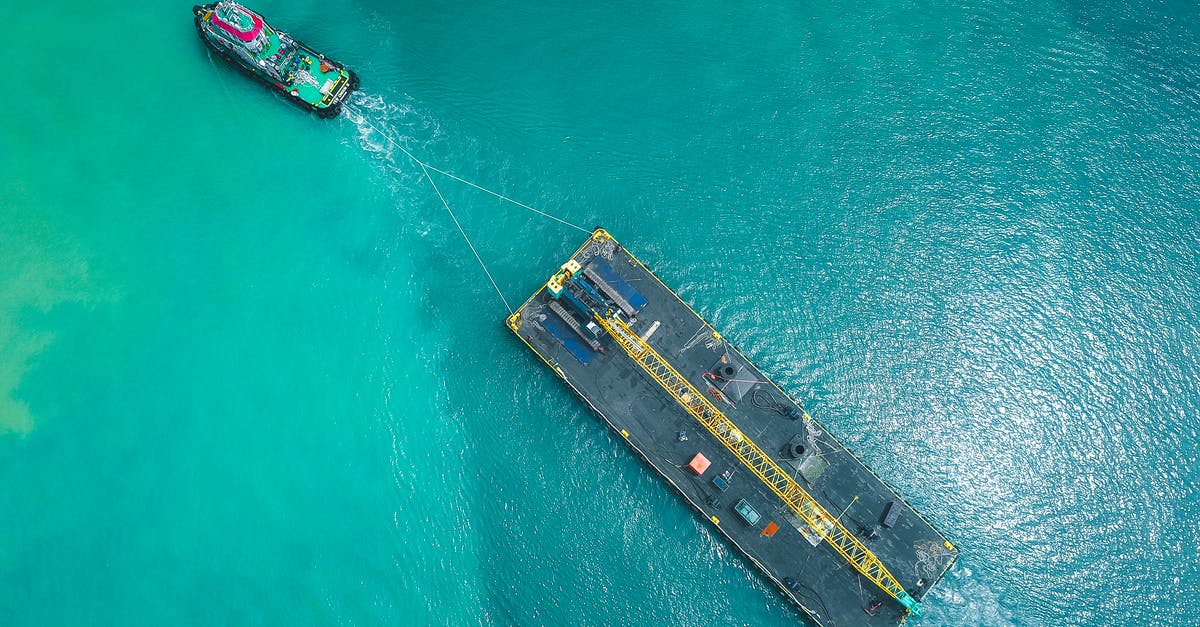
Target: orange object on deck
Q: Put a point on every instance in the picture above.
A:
(769, 530)
(699, 464)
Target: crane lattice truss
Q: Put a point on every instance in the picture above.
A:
(765, 468)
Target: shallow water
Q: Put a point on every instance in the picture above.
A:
(250, 374)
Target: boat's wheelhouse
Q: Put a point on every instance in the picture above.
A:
(240, 27)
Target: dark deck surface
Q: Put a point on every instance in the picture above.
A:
(643, 413)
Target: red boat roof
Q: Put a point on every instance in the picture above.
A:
(244, 35)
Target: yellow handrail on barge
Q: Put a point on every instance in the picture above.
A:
(761, 464)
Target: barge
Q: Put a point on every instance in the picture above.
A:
(816, 522)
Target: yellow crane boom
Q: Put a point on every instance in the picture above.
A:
(761, 464)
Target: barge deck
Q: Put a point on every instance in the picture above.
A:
(820, 525)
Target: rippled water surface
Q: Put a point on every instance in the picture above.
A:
(250, 374)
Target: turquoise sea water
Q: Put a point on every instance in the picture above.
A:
(250, 374)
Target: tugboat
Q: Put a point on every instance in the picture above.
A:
(304, 75)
